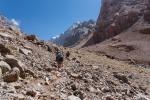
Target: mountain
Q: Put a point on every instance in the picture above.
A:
(123, 31)
(28, 71)
(75, 34)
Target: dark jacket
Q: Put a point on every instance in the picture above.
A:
(59, 57)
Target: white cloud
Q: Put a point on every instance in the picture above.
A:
(15, 22)
(55, 37)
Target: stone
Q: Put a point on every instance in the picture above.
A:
(4, 50)
(6, 35)
(12, 76)
(95, 67)
(4, 67)
(72, 97)
(92, 89)
(73, 87)
(106, 89)
(141, 97)
(121, 77)
(109, 97)
(32, 38)
(19, 97)
(75, 75)
(31, 93)
(25, 51)
(13, 62)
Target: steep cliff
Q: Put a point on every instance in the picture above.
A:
(116, 16)
(123, 31)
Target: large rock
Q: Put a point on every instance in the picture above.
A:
(31, 93)
(5, 67)
(13, 76)
(13, 62)
(72, 97)
(4, 50)
(25, 51)
(31, 38)
(121, 77)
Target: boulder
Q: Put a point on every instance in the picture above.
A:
(4, 50)
(25, 51)
(109, 97)
(12, 76)
(106, 89)
(31, 93)
(18, 97)
(13, 62)
(31, 38)
(72, 97)
(121, 77)
(4, 67)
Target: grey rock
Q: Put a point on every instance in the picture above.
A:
(4, 67)
(25, 51)
(109, 97)
(4, 50)
(105, 89)
(13, 62)
(121, 77)
(12, 76)
(72, 97)
(18, 97)
(31, 93)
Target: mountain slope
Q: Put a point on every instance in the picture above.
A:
(28, 71)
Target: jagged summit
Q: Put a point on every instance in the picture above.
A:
(75, 33)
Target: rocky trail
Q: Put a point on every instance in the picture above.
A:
(28, 71)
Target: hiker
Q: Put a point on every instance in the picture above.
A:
(59, 58)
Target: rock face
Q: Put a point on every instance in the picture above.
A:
(76, 33)
(116, 16)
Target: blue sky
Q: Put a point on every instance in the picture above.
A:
(48, 18)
